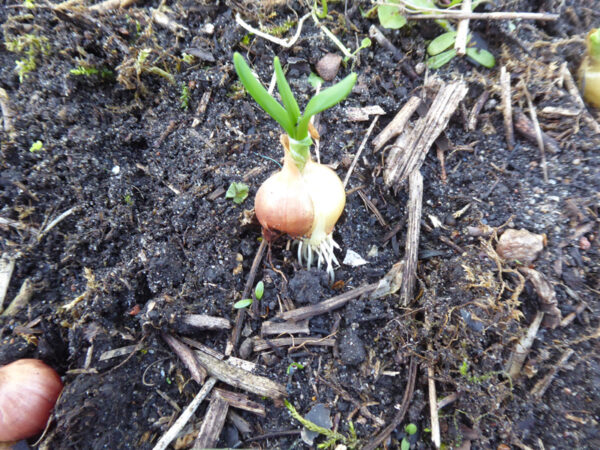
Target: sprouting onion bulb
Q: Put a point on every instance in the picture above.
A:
(589, 72)
(304, 199)
(304, 204)
(28, 391)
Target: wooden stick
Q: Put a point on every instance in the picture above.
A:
(185, 416)
(525, 127)
(538, 133)
(475, 112)
(360, 149)
(205, 322)
(326, 306)
(261, 344)
(396, 126)
(415, 202)
(8, 114)
(485, 16)
(241, 314)
(523, 346)
(541, 386)
(410, 149)
(375, 33)
(240, 401)
(507, 107)
(240, 378)
(213, 422)
(21, 299)
(187, 357)
(270, 328)
(462, 30)
(433, 404)
(397, 420)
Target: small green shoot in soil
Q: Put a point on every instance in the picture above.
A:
(128, 199)
(29, 4)
(441, 53)
(332, 437)
(409, 429)
(288, 116)
(37, 146)
(238, 192)
(315, 80)
(187, 58)
(259, 291)
(365, 43)
(184, 97)
(293, 367)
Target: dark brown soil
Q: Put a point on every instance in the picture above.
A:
(150, 225)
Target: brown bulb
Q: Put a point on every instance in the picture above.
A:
(282, 202)
(28, 391)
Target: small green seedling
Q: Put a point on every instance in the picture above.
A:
(37, 146)
(441, 52)
(259, 291)
(365, 43)
(187, 58)
(410, 429)
(238, 192)
(288, 116)
(293, 367)
(315, 80)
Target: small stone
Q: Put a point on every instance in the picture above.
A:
(520, 245)
(328, 66)
(352, 349)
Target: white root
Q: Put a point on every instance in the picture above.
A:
(324, 252)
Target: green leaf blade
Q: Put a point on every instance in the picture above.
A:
(390, 17)
(443, 42)
(437, 61)
(324, 100)
(483, 57)
(260, 94)
(287, 97)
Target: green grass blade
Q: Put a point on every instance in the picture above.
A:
(289, 102)
(260, 94)
(324, 100)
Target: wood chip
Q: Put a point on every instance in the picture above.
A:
(271, 328)
(355, 114)
(262, 344)
(409, 152)
(121, 351)
(396, 126)
(415, 201)
(187, 356)
(546, 295)
(507, 107)
(213, 422)
(21, 299)
(240, 401)
(326, 306)
(523, 346)
(205, 322)
(239, 378)
(520, 245)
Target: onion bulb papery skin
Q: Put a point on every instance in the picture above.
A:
(329, 198)
(283, 204)
(28, 391)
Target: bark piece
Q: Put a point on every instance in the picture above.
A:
(520, 245)
(271, 328)
(328, 305)
(213, 422)
(187, 357)
(507, 107)
(396, 126)
(205, 322)
(410, 150)
(361, 114)
(7, 266)
(21, 300)
(523, 346)
(240, 378)
(262, 344)
(415, 201)
(240, 401)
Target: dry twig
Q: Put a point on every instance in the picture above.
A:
(462, 31)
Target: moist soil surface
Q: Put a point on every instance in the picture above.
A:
(118, 225)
